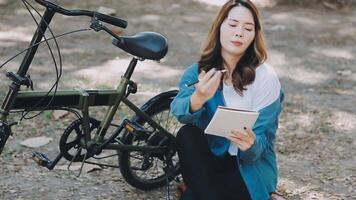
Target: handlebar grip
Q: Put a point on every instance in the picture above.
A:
(105, 18)
(111, 20)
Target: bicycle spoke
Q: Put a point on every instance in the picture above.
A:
(176, 127)
(77, 130)
(70, 145)
(149, 172)
(156, 168)
(160, 119)
(136, 157)
(168, 121)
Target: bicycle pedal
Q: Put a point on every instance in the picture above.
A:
(135, 128)
(41, 159)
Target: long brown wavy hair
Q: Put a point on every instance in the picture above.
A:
(245, 70)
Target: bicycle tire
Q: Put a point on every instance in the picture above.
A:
(4, 135)
(126, 159)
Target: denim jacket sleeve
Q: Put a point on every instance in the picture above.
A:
(265, 129)
(180, 106)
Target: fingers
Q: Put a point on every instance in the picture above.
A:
(240, 138)
(213, 81)
(234, 140)
(208, 83)
(216, 77)
(241, 144)
(206, 76)
(201, 75)
(240, 135)
(243, 140)
(250, 133)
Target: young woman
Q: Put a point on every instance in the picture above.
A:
(242, 166)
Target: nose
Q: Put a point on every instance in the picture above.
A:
(239, 32)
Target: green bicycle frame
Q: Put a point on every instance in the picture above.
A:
(83, 99)
(79, 99)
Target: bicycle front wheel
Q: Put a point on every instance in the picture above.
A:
(147, 171)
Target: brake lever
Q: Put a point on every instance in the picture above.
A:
(29, 84)
(97, 26)
(26, 81)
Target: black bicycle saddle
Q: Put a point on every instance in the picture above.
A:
(147, 45)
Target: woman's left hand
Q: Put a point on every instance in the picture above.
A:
(243, 140)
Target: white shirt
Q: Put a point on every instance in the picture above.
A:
(263, 91)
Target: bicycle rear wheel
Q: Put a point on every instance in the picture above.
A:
(147, 171)
(4, 135)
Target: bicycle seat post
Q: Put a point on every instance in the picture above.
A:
(130, 68)
(121, 92)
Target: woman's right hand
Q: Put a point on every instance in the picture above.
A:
(205, 88)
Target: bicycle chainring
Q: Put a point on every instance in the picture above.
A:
(72, 138)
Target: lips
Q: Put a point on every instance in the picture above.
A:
(236, 43)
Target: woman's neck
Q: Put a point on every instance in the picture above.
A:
(230, 62)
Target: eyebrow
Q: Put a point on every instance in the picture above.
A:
(249, 23)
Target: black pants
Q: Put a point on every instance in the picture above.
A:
(208, 177)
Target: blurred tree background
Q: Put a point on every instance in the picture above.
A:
(311, 45)
(332, 4)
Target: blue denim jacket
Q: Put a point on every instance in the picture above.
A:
(258, 165)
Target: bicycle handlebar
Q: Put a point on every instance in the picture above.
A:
(102, 17)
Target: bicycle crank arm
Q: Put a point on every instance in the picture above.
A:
(42, 160)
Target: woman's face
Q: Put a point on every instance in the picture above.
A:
(237, 32)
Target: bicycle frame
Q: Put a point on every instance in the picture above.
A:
(79, 99)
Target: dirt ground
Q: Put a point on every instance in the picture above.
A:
(312, 49)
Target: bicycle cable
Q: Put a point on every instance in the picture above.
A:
(58, 74)
(38, 43)
(75, 112)
(48, 39)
